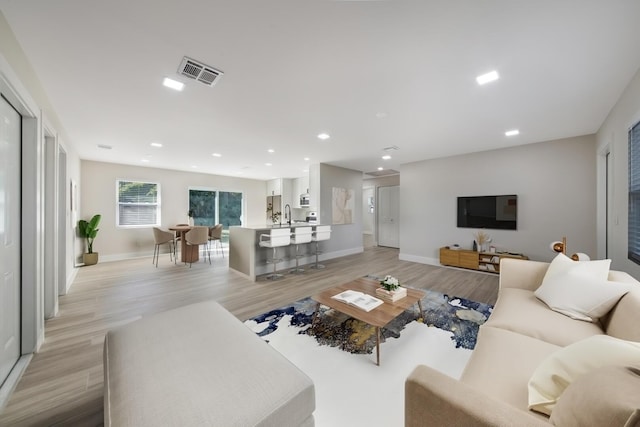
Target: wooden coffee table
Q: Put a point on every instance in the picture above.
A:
(379, 316)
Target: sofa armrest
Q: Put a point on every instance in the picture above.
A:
(522, 274)
(434, 399)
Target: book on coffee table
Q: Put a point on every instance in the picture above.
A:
(357, 299)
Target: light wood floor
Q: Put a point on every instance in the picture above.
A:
(63, 383)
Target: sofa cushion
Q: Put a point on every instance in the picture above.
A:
(199, 365)
(502, 363)
(606, 396)
(624, 320)
(519, 310)
(579, 296)
(561, 368)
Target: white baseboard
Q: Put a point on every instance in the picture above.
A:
(419, 259)
(12, 380)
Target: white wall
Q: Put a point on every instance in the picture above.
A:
(99, 197)
(555, 182)
(345, 238)
(613, 137)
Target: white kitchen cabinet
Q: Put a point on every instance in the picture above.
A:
(300, 186)
(286, 186)
(274, 187)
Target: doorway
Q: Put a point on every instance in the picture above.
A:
(10, 237)
(388, 216)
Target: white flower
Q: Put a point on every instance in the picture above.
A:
(390, 283)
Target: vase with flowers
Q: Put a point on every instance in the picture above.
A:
(390, 289)
(481, 239)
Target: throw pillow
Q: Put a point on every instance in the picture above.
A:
(557, 371)
(607, 396)
(562, 264)
(581, 296)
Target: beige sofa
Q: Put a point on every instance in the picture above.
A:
(520, 334)
(200, 366)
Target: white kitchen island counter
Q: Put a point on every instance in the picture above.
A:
(250, 260)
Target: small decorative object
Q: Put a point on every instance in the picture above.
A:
(561, 247)
(481, 238)
(391, 290)
(88, 230)
(191, 214)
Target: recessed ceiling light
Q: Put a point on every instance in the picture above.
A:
(217, 155)
(156, 144)
(271, 150)
(380, 168)
(306, 159)
(267, 164)
(173, 84)
(145, 160)
(305, 170)
(105, 147)
(513, 132)
(386, 157)
(324, 136)
(194, 167)
(489, 77)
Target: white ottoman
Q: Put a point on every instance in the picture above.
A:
(200, 366)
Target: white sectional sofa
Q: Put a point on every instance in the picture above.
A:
(522, 336)
(199, 365)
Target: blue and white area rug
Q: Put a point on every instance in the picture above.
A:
(338, 353)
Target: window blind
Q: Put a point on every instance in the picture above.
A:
(634, 194)
(138, 203)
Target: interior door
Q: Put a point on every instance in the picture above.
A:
(10, 279)
(388, 214)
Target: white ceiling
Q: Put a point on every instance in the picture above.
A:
(372, 74)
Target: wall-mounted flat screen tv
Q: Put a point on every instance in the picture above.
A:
(496, 212)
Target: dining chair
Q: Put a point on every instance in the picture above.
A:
(162, 237)
(215, 235)
(179, 233)
(195, 237)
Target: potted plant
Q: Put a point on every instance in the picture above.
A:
(390, 289)
(89, 231)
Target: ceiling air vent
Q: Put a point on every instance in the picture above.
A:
(199, 71)
(385, 172)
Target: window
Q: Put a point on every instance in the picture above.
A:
(634, 193)
(212, 207)
(138, 204)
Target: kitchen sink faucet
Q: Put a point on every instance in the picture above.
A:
(288, 218)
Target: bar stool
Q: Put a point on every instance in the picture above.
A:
(300, 236)
(276, 238)
(321, 232)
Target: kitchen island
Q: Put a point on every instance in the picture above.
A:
(249, 259)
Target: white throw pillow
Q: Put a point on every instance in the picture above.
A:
(580, 296)
(562, 264)
(557, 371)
(580, 289)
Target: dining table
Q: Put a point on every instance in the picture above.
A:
(189, 253)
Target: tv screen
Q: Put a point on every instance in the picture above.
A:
(496, 212)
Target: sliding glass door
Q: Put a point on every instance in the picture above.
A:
(211, 207)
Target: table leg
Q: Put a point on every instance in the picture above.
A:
(421, 310)
(378, 345)
(315, 315)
